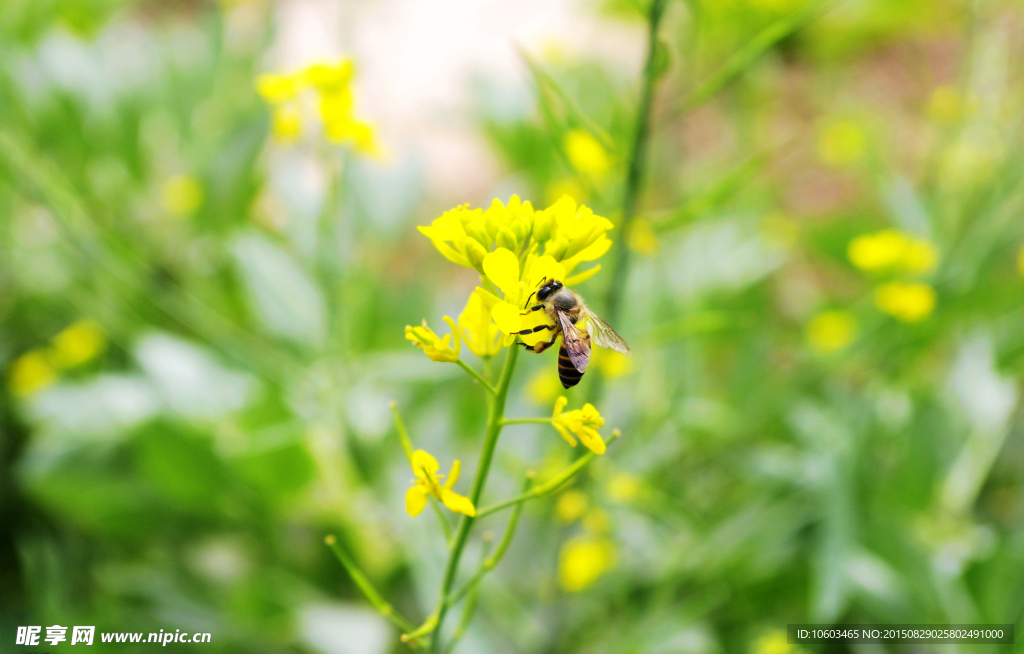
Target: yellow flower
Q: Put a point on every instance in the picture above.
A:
(482, 336)
(948, 105)
(330, 77)
(641, 237)
(572, 234)
(891, 249)
(31, 372)
(502, 268)
(544, 386)
(842, 143)
(570, 506)
(181, 195)
(774, 642)
(580, 422)
(438, 349)
(276, 88)
(611, 363)
(568, 186)
(360, 134)
(427, 482)
(78, 343)
(586, 154)
(287, 124)
(624, 487)
(583, 560)
(907, 302)
(831, 331)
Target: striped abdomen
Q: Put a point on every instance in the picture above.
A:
(566, 371)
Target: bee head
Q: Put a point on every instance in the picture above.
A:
(547, 289)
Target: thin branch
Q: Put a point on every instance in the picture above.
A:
(477, 376)
(375, 598)
(526, 421)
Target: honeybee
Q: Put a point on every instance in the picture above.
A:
(565, 307)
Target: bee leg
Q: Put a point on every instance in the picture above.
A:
(530, 298)
(540, 347)
(532, 309)
(535, 329)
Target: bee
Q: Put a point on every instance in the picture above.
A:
(565, 308)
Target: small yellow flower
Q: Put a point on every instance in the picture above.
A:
(544, 386)
(842, 143)
(482, 336)
(641, 237)
(276, 88)
(570, 506)
(580, 422)
(438, 349)
(330, 77)
(572, 234)
(502, 268)
(624, 487)
(831, 331)
(181, 195)
(907, 302)
(31, 372)
(773, 642)
(890, 250)
(286, 125)
(78, 343)
(583, 560)
(612, 364)
(586, 154)
(427, 482)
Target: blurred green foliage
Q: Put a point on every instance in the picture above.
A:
(184, 476)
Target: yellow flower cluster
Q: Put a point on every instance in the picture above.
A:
(435, 347)
(586, 154)
(427, 483)
(580, 422)
(77, 344)
(831, 331)
(331, 83)
(906, 301)
(583, 560)
(891, 250)
(842, 143)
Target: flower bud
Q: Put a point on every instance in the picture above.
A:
(543, 224)
(557, 248)
(475, 253)
(507, 239)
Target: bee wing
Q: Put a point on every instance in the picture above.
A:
(575, 343)
(604, 335)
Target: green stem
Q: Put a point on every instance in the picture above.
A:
(477, 376)
(375, 598)
(483, 468)
(526, 421)
(549, 486)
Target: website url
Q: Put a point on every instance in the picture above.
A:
(85, 635)
(163, 638)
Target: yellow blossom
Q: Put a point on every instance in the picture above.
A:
(907, 302)
(31, 372)
(773, 642)
(583, 560)
(330, 77)
(276, 88)
(612, 364)
(580, 422)
(482, 336)
(567, 186)
(570, 506)
(890, 250)
(544, 386)
(181, 195)
(438, 349)
(286, 125)
(572, 234)
(831, 331)
(641, 237)
(624, 487)
(586, 154)
(842, 143)
(78, 343)
(502, 268)
(427, 483)
(948, 105)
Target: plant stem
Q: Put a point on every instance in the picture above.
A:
(483, 468)
(382, 606)
(477, 376)
(637, 159)
(526, 421)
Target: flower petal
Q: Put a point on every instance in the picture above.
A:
(415, 500)
(591, 439)
(579, 278)
(453, 474)
(457, 503)
(502, 268)
(423, 464)
(507, 317)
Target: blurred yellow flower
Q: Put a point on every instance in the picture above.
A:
(580, 422)
(773, 642)
(891, 249)
(78, 343)
(31, 372)
(330, 76)
(276, 88)
(286, 125)
(948, 105)
(570, 506)
(181, 195)
(612, 364)
(623, 487)
(583, 560)
(596, 521)
(438, 349)
(544, 386)
(842, 143)
(481, 334)
(907, 302)
(831, 331)
(641, 237)
(586, 154)
(427, 482)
